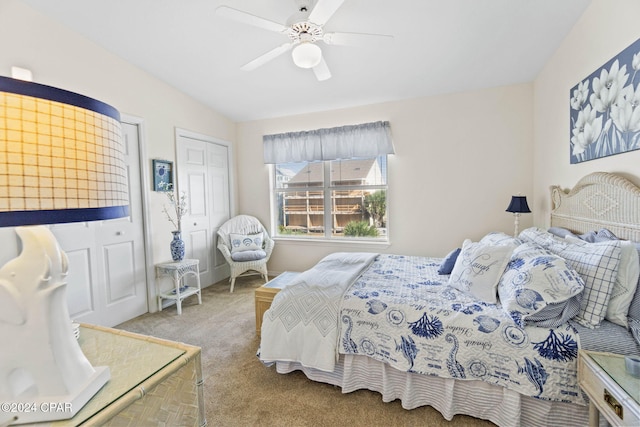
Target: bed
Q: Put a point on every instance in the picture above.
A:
(491, 331)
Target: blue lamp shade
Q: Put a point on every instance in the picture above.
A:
(61, 157)
(518, 205)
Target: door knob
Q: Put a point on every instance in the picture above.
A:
(119, 233)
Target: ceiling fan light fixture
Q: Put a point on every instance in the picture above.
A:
(306, 55)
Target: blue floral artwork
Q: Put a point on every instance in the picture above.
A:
(605, 109)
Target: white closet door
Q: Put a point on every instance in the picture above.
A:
(107, 282)
(218, 176)
(203, 174)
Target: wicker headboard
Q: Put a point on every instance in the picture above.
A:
(599, 200)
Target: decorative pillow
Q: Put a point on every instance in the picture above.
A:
(590, 237)
(563, 232)
(245, 242)
(449, 261)
(500, 238)
(626, 281)
(538, 236)
(606, 234)
(478, 269)
(248, 255)
(560, 232)
(597, 264)
(539, 287)
(626, 284)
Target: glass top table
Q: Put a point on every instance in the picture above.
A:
(131, 359)
(614, 366)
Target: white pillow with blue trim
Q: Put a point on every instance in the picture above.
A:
(538, 287)
(245, 242)
(478, 269)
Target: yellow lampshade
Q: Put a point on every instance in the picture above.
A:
(61, 157)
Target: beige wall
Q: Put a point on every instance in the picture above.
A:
(606, 28)
(61, 58)
(458, 160)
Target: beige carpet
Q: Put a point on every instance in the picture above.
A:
(240, 391)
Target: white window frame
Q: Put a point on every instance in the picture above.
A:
(327, 190)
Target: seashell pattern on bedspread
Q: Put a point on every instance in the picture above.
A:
(401, 312)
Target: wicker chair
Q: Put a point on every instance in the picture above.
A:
(244, 225)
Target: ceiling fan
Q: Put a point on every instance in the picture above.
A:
(304, 29)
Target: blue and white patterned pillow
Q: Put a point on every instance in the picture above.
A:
(478, 269)
(539, 287)
(597, 264)
(245, 242)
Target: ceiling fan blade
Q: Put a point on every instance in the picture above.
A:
(263, 59)
(249, 19)
(356, 39)
(322, 71)
(324, 10)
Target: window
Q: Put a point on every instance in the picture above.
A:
(336, 199)
(331, 183)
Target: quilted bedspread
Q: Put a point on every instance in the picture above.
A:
(302, 323)
(401, 312)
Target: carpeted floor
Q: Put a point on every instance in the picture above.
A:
(240, 391)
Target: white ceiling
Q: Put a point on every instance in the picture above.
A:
(439, 46)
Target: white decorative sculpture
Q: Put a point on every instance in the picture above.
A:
(41, 363)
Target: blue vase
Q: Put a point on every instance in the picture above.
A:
(177, 246)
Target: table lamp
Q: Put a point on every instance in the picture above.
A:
(61, 160)
(518, 206)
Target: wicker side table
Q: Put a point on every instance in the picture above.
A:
(177, 270)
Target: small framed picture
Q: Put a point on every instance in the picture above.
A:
(162, 175)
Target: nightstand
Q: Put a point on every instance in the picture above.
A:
(264, 295)
(177, 270)
(612, 391)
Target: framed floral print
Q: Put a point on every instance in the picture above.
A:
(162, 175)
(605, 109)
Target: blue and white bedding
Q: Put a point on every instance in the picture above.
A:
(402, 312)
(408, 313)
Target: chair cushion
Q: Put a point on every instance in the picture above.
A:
(245, 242)
(248, 255)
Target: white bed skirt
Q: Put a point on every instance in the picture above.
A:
(478, 399)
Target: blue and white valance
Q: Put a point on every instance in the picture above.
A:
(345, 142)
